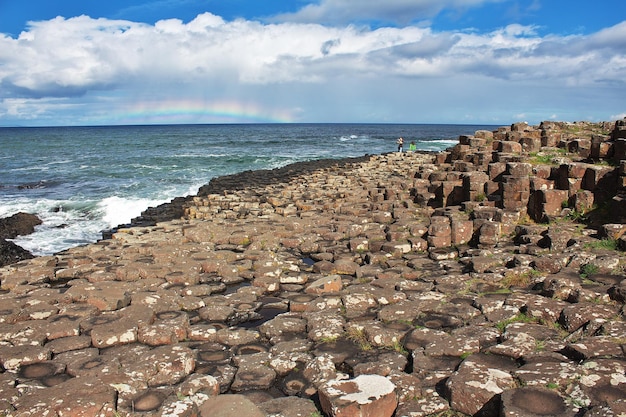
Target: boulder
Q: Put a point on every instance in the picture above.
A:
(534, 402)
(19, 224)
(363, 396)
(477, 383)
(11, 253)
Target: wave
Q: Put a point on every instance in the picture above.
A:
(69, 223)
(65, 223)
(346, 138)
(118, 210)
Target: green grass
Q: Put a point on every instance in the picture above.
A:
(358, 337)
(328, 339)
(520, 318)
(589, 269)
(543, 158)
(608, 244)
(524, 279)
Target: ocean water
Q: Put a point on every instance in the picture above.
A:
(82, 180)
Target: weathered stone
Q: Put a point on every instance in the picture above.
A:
(320, 369)
(329, 284)
(547, 203)
(253, 374)
(534, 402)
(461, 231)
(106, 296)
(228, 406)
(599, 346)
(289, 407)
(547, 369)
(515, 347)
(169, 327)
(74, 397)
(70, 343)
(576, 315)
(12, 357)
(477, 382)
(365, 395)
(113, 333)
(510, 147)
(283, 324)
(545, 308)
(325, 325)
(165, 365)
(489, 234)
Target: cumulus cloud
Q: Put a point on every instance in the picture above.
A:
(65, 58)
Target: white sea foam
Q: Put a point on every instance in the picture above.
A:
(65, 223)
(48, 240)
(351, 137)
(117, 210)
(68, 223)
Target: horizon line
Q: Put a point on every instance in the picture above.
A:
(255, 123)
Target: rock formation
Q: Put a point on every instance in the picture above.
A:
(10, 227)
(485, 280)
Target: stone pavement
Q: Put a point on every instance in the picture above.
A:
(390, 285)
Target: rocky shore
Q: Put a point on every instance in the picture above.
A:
(10, 228)
(486, 280)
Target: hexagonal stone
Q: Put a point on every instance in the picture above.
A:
(365, 395)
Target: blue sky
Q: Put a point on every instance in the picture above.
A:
(67, 62)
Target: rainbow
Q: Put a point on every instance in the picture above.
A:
(199, 111)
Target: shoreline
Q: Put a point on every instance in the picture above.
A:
(454, 282)
(249, 178)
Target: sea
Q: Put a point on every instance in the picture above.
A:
(83, 180)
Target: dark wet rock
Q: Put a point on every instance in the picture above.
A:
(19, 224)
(534, 402)
(11, 253)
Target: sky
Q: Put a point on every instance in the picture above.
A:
(87, 62)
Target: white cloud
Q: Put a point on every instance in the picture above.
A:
(325, 71)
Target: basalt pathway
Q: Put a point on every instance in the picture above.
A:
(407, 284)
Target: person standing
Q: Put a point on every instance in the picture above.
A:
(412, 146)
(400, 143)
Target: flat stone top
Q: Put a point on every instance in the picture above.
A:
(363, 389)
